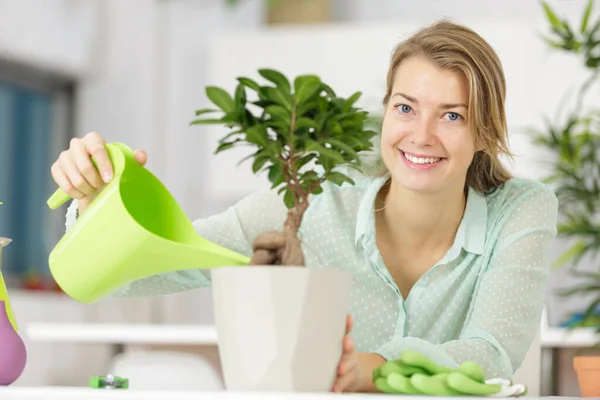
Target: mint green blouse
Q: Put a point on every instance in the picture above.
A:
(482, 301)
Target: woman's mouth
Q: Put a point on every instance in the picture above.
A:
(420, 161)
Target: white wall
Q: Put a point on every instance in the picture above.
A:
(57, 35)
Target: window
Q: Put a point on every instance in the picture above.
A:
(35, 125)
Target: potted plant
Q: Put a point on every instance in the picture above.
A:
(281, 325)
(576, 179)
(295, 11)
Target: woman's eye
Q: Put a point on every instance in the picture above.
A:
(452, 116)
(403, 108)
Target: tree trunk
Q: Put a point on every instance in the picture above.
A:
(281, 248)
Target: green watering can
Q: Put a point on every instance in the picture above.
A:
(133, 229)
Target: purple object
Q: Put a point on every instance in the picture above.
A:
(13, 354)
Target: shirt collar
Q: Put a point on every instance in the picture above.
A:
(471, 232)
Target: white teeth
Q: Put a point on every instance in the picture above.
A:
(419, 160)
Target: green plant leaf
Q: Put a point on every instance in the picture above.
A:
(249, 83)
(586, 16)
(277, 78)
(288, 199)
(574, 251)
(276, 96)
(350, 102)
(205, 111)
(220, 98)
(338, 178)
(240, 96)
(279, 112)
(207, 122)
(258, 135)
(276, 176)
(259, 162)
(305, 87)
(303, 122)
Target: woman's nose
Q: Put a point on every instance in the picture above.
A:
(424, 133)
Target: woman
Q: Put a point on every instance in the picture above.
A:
(448, 251)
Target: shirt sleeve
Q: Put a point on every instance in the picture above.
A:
(506, 308)
(235, 229)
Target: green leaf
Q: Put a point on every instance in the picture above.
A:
(240, 96)
(570, 254)
(276, 176)
(249, 83)
(225, 146)
(276, 96)
(586, 16)
(305, 160)
(323, 151)
(305, 87)
(338, 178)
(351, 100)
(205, 111)
(552, 18)
(288, 199)
(257, 135)
(220, 98)
(279, 112)
(277, 78)
(259, 162)
(207, 122)
(303, 122)
(344, 147)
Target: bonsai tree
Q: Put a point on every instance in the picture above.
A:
(294, 128)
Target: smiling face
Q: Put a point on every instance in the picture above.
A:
(427, 143)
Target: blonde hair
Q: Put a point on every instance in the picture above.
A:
(460, 49)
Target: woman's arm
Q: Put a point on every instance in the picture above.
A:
(506, 309)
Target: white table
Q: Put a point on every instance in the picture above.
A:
(122, 334)
(66, 393)
(119, 335)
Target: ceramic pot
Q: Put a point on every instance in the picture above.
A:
(13, 354)
(280, 328)
(588, 375)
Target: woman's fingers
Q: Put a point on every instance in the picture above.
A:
(84, 164)
(346, 366)
(349, 323)
(63, 181)
(348, 346)
(141, 157)
(95, 146)
(76, 179)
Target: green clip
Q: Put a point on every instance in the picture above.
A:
(109, 382)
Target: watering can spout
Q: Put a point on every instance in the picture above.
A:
(133, 229)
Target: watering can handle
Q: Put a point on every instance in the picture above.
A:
(58, 198)
(116, 154)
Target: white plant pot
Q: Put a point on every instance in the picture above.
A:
(280, 328)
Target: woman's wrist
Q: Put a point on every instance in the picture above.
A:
(367, 362)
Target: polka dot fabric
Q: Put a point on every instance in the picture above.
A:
(482, 301)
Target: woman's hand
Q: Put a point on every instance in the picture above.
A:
(347, 374)
(74, 172)
(355, 370)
